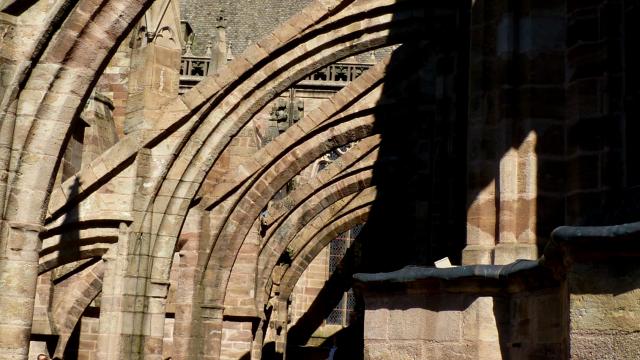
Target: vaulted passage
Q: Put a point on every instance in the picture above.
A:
(319, 179)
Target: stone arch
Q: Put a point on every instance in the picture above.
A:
(68, 62)
(308, 210)
(237, 108)
(254, 198)
(176, 206)
(351, 158)
(68, 310)
(365, 32)
(344, 222)
(310, 36)
(200, 157)
(268, 260)
(347, 203)
(366, 90)
(303, 207)
(279, 154)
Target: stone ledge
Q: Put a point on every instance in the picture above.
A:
(415, 273)
(594, 242)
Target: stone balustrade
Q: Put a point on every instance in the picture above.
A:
(194, 68)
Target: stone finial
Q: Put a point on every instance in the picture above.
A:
(229, 53)
(221, 20)
(208, 51)
(187, 49)
(372, 57)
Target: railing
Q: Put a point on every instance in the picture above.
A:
(338, 75)
(195, 68)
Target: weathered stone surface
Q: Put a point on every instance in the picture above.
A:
(163, 225)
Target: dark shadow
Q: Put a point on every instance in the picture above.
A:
(420, 212)
(17, 7)
(269, 351)
(49, 340)
(493, 76)
(70, 241)
(422, 158)
(349, 342)
(73, 344)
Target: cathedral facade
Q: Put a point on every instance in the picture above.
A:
(344, 179)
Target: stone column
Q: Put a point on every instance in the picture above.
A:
(111, 318)
(22, 210)
(531, 45)
(133, 325)
(482, 155)
(19, 253)
(516, 104)
(185, 294)
(211, 328)
(240, 313)
(281, 322)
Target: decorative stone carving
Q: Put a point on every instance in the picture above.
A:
(161, 25)
(284, 113)
(338, 74)
(330, 157)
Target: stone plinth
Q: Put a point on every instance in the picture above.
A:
(602, 273)
(469, 312)
(581, 300)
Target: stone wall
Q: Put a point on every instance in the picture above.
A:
(453, 326)
(605, 311)
(465, 317)
(602, 103)
(87, 345)
(114, 83)
(441, 326)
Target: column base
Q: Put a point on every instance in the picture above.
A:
(477, 254)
